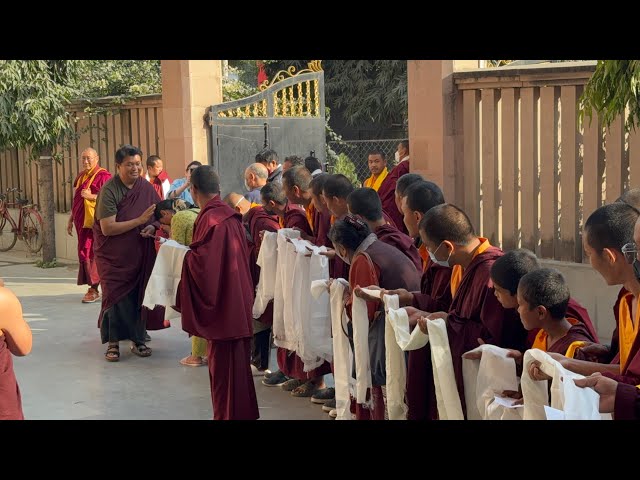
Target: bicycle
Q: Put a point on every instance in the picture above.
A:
(29, 227)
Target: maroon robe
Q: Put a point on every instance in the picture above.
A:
(434, 296)
(296, 217)
(630, 373)
(125, 261)
(88, 271)
(627, 402)
(574, 310)
(322, 225)
(215, 297)
(10, 400)
(157, 183)
(387, 192)
(257, 220)
(392, 236)
(577, 333)
(476, 313)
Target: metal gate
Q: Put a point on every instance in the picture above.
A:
(288, 116)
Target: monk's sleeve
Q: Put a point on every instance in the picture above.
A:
(632, 373)
(627, 402)
(436, 291)
(99, 181)
(361, 274)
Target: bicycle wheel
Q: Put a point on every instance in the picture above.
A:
(32, 230)
(7, 236)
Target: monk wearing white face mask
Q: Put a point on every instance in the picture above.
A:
(475, 312)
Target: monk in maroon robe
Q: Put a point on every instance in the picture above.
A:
(256, 221)
(378, 264)
(15, 339)
(386, 192)
(335, 191)
(611, 234)
(87, 185)
(215, 297)
(475, 312)
(543, 298)
(506, 274)
(291, 376)
(365, 204)
(125, 258)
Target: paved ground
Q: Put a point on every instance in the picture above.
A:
(66, 375)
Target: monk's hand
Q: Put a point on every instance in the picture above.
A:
(604, 386)
(70, 227)
(146, 215)
(358, 292)
(515, 354)
(471, 355)
(148, 232)
(561, 359)
(86, 193)
(535, 372)
(330, 253)
(414, 314)
(422, 325)
(594, 352)
(405, 297)
(436, 315)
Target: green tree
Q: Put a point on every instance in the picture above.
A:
(34, 95)
(614, 86)
(117, 78)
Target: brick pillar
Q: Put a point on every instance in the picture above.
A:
(189, 87)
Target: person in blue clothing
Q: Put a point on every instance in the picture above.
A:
(180, 188)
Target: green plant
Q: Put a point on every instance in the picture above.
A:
(52, 264)
(345, 166)
(613, 87)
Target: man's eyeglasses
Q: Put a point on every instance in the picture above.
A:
(630, 252)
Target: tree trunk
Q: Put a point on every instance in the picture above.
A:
(47, 205)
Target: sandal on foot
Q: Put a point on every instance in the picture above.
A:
(186, 361)
(141, 350)
(290, 385)
(113, 353)
(305, 390)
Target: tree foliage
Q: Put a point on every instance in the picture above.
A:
(34, 95)
(118, 78)
(613, 87)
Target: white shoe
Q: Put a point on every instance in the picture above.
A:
(258, 373)
(333, 413)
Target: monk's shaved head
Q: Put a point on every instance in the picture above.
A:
(366, 203)
(631, 197)
(507, 270)
(258, 169)
(611, 226)
(272, 192)
(545, 287)
(337, 186)
(297, 176)
(89, 151)
(448, 222)
(237, 202)
(405, 181)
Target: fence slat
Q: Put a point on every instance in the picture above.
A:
(614, 144)
(509, 187)
(135, 130)
(160, 134)
(471, 161)
(570, 244)
(490, 165)
(548, 171)
(634, 158)
(529, 167)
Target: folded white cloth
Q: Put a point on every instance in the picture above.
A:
(576, 403)
(165, 277)
(268, 263)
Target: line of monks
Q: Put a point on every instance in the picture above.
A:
(397, 234)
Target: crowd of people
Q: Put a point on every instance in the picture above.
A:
(396, 233)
